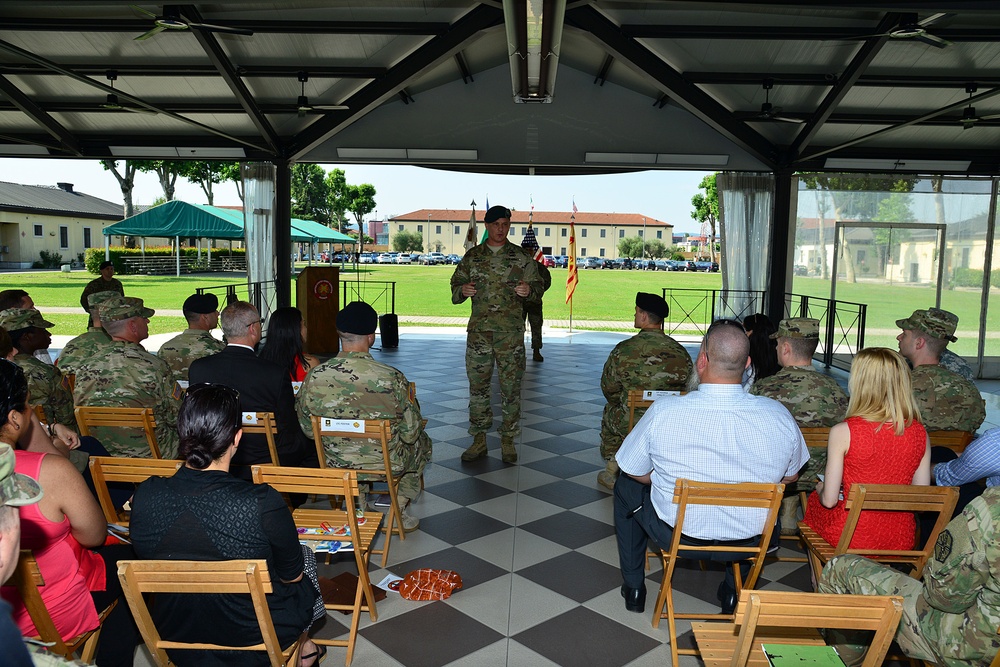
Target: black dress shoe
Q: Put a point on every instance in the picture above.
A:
(635, 598)
(727, 597)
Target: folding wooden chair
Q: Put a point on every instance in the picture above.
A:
(238, 577)
(816, 436)
(139, 418)
(779, 617)
(766, 497)
(104, 469)
(27, 578)
(332, 481)
(639, 401)
(956, 441)
(263, 422)
(40, 413)
(372, 430)
(885, 498)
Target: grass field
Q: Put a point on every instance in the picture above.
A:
(601, 295)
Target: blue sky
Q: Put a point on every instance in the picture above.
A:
(664, 195)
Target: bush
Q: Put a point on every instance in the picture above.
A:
(50, 260)
(118, 254)
(969, 278)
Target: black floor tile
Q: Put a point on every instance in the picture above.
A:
(561, 445)
(551, 412)
(583, 637)
(553, 426)
(567, 494)
(574, 575)
(562, 466)
(460, 525)
(570, 529)
(488, 463)
(468, 491)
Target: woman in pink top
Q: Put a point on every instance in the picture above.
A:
(61, 529)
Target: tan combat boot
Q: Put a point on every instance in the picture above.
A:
(609, 475)
(790, 515)
(507, 451)
(477, 450)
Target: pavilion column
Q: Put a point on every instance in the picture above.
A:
(283, 232)
(259, 234)
(779, 277)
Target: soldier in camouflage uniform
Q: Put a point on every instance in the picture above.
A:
(499, 277)
(951, 616)
(957, 364)
(813, 398)
(533, 314)
(104, 283)
(85, 345)
(124, 375)
(29, 332)
(202, 314)
(648, 360)
(352, 385)
(947, 401)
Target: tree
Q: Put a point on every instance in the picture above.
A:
(126, 181)
(630, 246)
(405, 241)
(231, 171)
(309, 193)
(205, 174)
(361, 201)
(337, 200)
(706, 209)
(166, 170)
(655, 248)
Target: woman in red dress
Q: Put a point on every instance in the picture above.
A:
(881, 442)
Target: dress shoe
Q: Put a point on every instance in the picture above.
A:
(508, 453)
(635, 598)
(477, 450)
(537, 356)
(727, 597)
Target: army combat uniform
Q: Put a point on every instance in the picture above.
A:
(353, 385)
(124, 375)
(47, 388)
(185, 347)
(81, 348)
(496, 330)
(957, 364)
(533, 309)
(947, 401)
(648, 360)
(951, 617)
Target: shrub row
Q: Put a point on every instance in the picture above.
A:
(118, 254)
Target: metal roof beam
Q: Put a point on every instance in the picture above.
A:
(139, 26)
(989, 6)
(803, 33)
(854, 69)
(865, 80)
(226, 70)
(690, 97)
(427, 56)
(188, 70)
(39, 116)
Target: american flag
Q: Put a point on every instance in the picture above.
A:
(530, 243)
(571, 278)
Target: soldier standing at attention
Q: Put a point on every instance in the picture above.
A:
(104, 283)
(813, 398)
(83, 346)
(648, 360)
(352, 385)
(499, 277)
(202, 314)
(533, 313)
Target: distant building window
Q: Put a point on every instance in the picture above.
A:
(547, 230)
(604, 233)
(640, 233)
(583, 252)
(38, 230)
(63, 237)
(458, 230)
(583, 232)
(420, 228)
(86, 238)
(659, 234)
(562, 250)
(563, 230)
(437, 229)
(602, 249)
(621, 233)
(524, 230)
(401, 228)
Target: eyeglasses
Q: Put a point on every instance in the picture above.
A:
(260, 322)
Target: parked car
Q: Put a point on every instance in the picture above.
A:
(663, 265)
(562, 261)
(592, 263)
(452, 259)
(707, 266)
(384, 258)
(549, 261)
(432, 258)
(801, 270)
(368, 258)
(689, 265)
(403, 258)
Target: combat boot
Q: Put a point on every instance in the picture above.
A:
(790, 515)
(507, 451)
(477, 450)
(609, 475)
(537, 356)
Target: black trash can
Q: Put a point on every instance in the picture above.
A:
(388, 326)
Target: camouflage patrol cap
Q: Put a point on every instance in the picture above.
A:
(797, 327)
(97, 298)
(14, 319)
(122, 308)
(933, 322)
(15, 489)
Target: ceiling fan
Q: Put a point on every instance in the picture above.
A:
(112, 103)
(912, 28)
(768, 112)
(173, 20)
(303, 102)
(969, 117)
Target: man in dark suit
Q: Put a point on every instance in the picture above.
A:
(264, 387)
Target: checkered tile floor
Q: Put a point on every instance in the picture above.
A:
(533, 542)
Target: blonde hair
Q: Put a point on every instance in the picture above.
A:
(881, 390)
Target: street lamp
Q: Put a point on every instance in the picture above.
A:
(428, 248)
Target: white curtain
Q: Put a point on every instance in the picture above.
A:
(746, 212)
(259, 229)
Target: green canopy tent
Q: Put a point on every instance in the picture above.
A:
(318, 234)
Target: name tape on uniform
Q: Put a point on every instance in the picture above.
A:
(653, 394)
(250, 418)
(348, 425)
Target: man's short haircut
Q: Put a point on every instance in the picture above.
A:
(236, 318)
(11, 298)
(727, 348)
(353, 338)
(802, 348)
(116, 328)
(935, 346)
(652, 318)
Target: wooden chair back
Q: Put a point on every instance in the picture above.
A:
(641, 399)
(104, 469)
(765, 497)
(263, 423)
(88, 417)
(40, 413)
(27, 578)
(772, 614)
(956, 441)
(372, 430)
(815, 436)
(361, 531)
(233, 577)
(885, 498)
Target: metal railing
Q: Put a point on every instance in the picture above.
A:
(260, 294)
(374, 293)
(842, 323)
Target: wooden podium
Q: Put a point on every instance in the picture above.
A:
(317, 295)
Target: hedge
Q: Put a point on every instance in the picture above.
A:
(974, 278)
(118, 254)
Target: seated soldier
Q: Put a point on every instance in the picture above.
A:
(202, 314)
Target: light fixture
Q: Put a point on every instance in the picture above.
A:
(692, 159)
(534, 38)
(883, 165)
(677, 159)
(463, 154)
(621, 158)
(188, 152)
